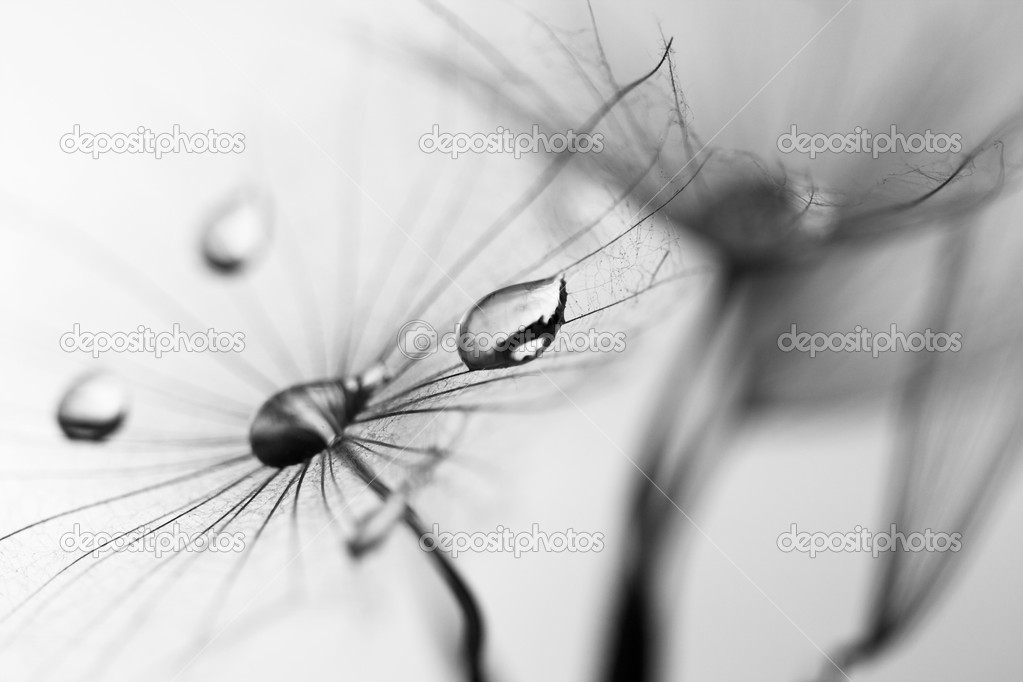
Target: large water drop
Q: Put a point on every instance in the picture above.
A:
(237, 233)
(512, 325)
(299, 422)
(93, 408)
(303, 420)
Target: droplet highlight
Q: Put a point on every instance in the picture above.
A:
(93, 408)
(237, 233)
(512, 325)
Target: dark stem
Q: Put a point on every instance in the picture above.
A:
(633, 643)
(473, 619)
(471, 615)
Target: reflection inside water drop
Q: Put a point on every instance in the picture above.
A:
(512, 325)
(93, 408)
(237, 233)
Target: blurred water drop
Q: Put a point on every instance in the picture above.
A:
(362, 386)
(237, 233)
(512, 325)
(93, 408)
(375, 527)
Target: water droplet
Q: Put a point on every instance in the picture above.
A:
(93, 408)
(299, 422)
(375, 526)
(237, 232)
(364, 385)
(512, 325)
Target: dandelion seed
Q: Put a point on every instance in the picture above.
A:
(413, 426)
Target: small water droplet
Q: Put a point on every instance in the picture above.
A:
(237, 232)
(299, 422)
(368, 382)
(512, 325)
(93, 408)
